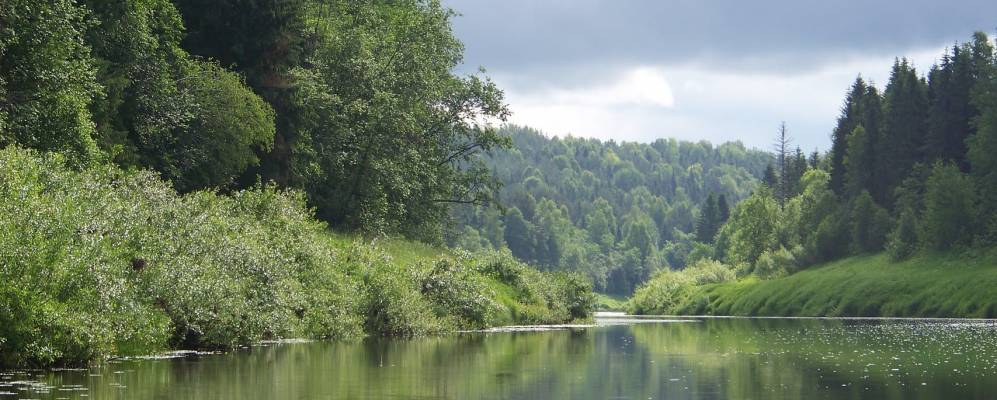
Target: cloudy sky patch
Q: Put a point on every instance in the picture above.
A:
(695, 70)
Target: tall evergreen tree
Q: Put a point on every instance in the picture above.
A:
(770, 177)
(781, 146)
(950, 111)
(723, 210)
(848, 120)
(708, 221)
(858, 163)
(982, 146)
(904, 128)
(519, 235)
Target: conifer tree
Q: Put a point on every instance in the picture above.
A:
(848, 120)
(904, 128)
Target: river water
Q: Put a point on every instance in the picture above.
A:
(616, 358)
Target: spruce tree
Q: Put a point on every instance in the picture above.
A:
(706, 225)
(851, 116)
(904, 129)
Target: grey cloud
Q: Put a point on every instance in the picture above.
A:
(527, 35)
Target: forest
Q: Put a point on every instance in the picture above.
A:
(911, 173)
(619, 212)
(210, 174)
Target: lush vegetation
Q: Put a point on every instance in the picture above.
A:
(618, 212)
(102, 261)
(353, 103)
(169, 171)
(933, 284)
(911, 172)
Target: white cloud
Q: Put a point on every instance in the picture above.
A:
(694, 102)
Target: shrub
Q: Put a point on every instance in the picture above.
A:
(669, 289)
(103, 262)
(773, 264)
(902, 241)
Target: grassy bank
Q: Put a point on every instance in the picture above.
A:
(927, 285)
(104, 262)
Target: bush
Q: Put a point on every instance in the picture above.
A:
(104, 262)
(457, 291)
(669, 289)
(902, 241)
(949, 208)
(773, 264)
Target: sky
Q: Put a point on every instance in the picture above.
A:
(639, 70)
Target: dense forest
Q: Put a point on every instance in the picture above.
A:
(169, 172)
(911, 169)
(355, 103)
(619, 212)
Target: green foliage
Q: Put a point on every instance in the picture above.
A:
(47, 78)
(668, 289)
(949, 216)
(752, 228)
(388, 136)
(104, 262)
(902, 241)
(773, 264)
(616, 212)
(870, 224)
(927, 285)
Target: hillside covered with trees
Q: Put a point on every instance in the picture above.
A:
(169, 172)
(619, 212)
(911, 172)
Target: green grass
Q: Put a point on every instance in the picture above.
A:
(927, 285)
(402, 252)
(610, 302)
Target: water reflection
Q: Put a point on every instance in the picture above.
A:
(709, 359)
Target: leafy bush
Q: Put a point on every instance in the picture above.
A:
(455, 289)
(773, 264)
(102, 261)
(902, 241)
(668, 289)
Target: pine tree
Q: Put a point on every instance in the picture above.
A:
(982, 146)
(858, 163)
(518, 235)
(851, 117)
(769, 178)
(781, 147)
(814, 160)
(950, 111)
(723, 210)
(708, 222)
(904, 129)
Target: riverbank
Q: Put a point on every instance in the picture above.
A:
(955, 285)
(102, 261)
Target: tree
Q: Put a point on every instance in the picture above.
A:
(850, 118)
(47, 79)
(389, 136)
(859, 161)
(983, 144)
(723, 210)
(904, 128)
(870, 224)
(949, 214)
(781, 146)
(770, 177)
(708, 221)
(195, 122)
(519, 235)
(752, 228)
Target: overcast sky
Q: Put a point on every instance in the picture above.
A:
(699, 69)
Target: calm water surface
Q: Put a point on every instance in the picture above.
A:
(618, 359)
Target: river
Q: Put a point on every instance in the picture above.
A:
(618, 357)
